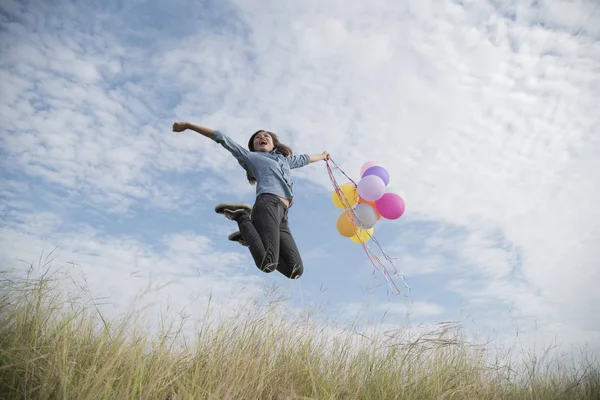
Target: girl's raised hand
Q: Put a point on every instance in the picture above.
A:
(180, 126)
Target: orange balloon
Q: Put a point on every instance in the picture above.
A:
(345, 225)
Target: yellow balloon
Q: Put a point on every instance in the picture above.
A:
(350, 192)
(364, 235)
(345, 226)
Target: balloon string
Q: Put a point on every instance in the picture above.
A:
(358, 231)
(342, 171)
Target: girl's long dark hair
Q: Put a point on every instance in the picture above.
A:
(283, 149)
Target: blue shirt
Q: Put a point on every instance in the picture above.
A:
(272, 171)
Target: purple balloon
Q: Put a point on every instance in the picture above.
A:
(379, 171)
(371, 187)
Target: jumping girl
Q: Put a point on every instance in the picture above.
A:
(264, 228)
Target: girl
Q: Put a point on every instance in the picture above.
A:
(264, 228)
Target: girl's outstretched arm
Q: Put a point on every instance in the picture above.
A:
(182, 126)
(240, 153)
(319, 157)
(298, 161)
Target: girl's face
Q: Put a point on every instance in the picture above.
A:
(263, 142)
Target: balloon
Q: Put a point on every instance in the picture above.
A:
(371, 203)
(350, 193)
(390, 206)
(392, 189)
(345, 225)
(371, 187)
(395, 190)
(380, 172)
(366, 214)
(366, 166)
(364, 235)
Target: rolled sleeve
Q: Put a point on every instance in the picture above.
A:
(232, 146)
(298, 161)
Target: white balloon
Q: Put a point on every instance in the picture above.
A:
(395, 190)
(366, 215)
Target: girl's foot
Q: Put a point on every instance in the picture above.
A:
(235, 215)
(220, 208)
(237, 237)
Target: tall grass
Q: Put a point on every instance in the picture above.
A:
(54, 345)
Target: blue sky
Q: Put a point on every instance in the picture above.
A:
(484, 114)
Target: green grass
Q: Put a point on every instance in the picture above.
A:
(55, 346)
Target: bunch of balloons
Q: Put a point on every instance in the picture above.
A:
(369, 201)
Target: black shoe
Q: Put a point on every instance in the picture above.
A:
(220, 208)
(235, 215)
(237, 237)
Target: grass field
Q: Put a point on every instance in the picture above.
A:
(58, 347)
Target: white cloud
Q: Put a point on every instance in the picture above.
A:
(127, 273)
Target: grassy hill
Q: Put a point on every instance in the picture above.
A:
(56, 347)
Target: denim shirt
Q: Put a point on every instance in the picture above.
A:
(272, 171)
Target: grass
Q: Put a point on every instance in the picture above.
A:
(55, 346)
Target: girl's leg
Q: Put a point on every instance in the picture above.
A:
(290, 262)
(262, 232)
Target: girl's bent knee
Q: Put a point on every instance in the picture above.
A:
(268, 267)
(297, 273)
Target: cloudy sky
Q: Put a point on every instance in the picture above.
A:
(485, 113)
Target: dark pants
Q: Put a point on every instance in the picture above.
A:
(268, 236)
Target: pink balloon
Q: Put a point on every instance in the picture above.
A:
(366, 166)
(390, 206)
(371, 187)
